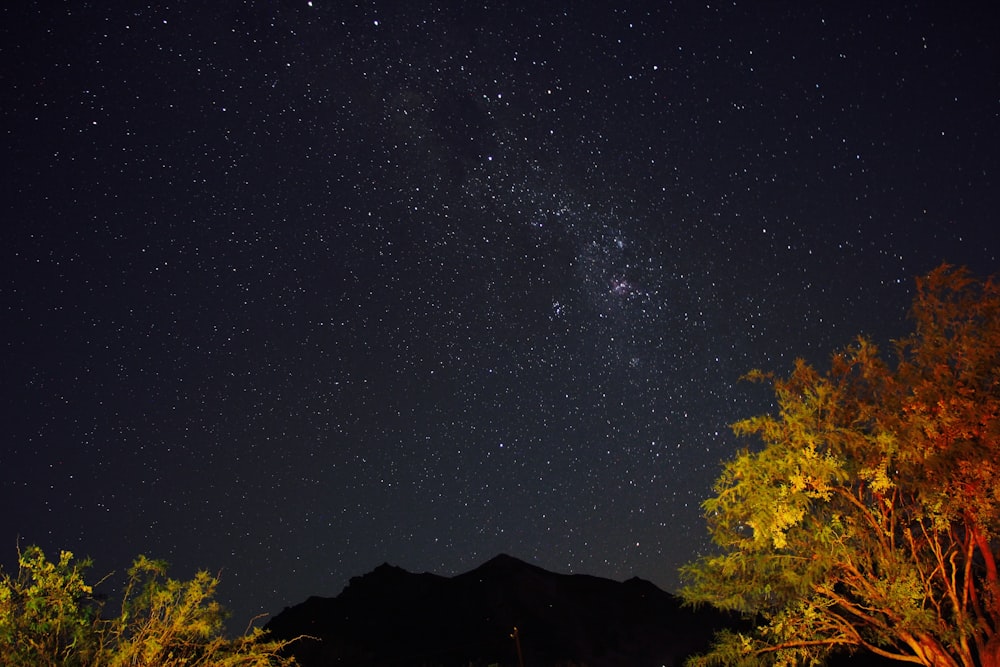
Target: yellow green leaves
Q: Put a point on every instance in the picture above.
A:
(876, 470)
(45, 610)
(775, 490)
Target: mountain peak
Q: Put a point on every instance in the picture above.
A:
(504, 563)
(503, 559)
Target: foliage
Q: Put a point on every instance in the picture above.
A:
(870, 518)
(50, 616)
(47, 613)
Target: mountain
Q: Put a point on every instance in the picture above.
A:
(391, 618)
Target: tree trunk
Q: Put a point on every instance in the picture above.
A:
(933, 654)
(991, 654)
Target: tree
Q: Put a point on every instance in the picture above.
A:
(870, 518)
(50, 616)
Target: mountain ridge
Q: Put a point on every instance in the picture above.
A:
(390, 617)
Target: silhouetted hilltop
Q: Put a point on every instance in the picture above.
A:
(391, 617)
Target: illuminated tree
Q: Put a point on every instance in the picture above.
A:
(49, 616)
(870, 518)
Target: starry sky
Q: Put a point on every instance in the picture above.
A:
(289, 289)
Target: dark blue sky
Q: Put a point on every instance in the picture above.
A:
(290, 289)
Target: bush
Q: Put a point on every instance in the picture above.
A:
(49, 615)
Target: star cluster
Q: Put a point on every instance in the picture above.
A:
(292, 289)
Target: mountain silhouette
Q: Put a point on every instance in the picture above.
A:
(391, 618)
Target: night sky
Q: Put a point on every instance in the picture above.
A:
(290, 289)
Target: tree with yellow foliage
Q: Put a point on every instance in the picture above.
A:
(870, 518)
(50, 616)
